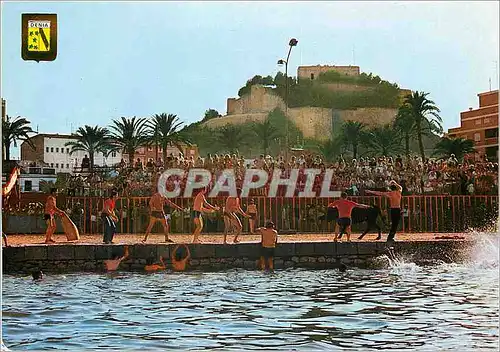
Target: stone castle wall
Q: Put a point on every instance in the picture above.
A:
(304, 72)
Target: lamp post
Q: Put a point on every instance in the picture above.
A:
(293, 42)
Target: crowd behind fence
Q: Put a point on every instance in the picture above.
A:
(440, 213)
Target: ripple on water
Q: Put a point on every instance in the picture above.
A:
(441, 307)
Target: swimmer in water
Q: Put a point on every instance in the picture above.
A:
(156, 267)
(37, 275)
(114, 263)
(179, 262)
(394, 196)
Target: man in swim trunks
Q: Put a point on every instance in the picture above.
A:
(252, 212)
(157, 213)
(394, 195)
(269, 238)
(109, 218)
(345, 208)
(231, 219)
(50, 210)
(200, 206)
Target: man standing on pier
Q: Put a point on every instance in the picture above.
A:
(345, 208)
(231, 219)
(50, 210)
(109, 218)
(394, 196)
(200, 206)
(157, 213)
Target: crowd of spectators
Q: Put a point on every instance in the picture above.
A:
(434, 176)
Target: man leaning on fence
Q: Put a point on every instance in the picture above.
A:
(109, 218)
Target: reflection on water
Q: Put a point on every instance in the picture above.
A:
(448, 306)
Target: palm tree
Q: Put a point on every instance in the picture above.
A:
(383, 140)
(405, 124)
(165, 132)
(91, 140)
(458, 146)
(266, 132)
(230, 137)
(352, 135)
(330, 149)
(129, 134)
(425, 114)
(14, 130)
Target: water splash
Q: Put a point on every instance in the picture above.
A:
(485, 252)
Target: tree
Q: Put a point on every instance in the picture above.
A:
(129, 134)
(383, 140)
(210, 114)
(330, 149)
(230, 137)
(425, 114)
(458, 146)
(14, 130)
(405, 124)
(165, 132)
(266, 132)
(91, 140)
(352, 135)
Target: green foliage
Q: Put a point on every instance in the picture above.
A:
(91, 139)
(210, 114)
(353, 134)
(268, 80)
(383, 140)
(266, 132)
(231, 138)
(14, 130)
(129, 134)
(457, 146)
(164, 131)
(363, 79)
(330, 149)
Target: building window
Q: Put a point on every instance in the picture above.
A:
(51, 164)
(491, 133)
(312, 76)
(486, 120)
(113, 154)
(52, 149)
(47, 149)
(150, 149)
(478, 121)
(67, 166)
(67, 150)
(57, 166)
(62, 150)
(477, 137)
(28, 185)
(57, 150)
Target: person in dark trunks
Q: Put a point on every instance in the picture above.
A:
(200, 206)
(50, 210)
(231, 220)
(252, 212)
(157, 213)
(345, 208)
(394, 195)
(269, 238)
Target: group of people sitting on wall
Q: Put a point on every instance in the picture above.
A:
(432, 176)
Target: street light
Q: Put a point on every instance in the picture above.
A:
(293, 42)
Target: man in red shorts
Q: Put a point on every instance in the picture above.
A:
(345, 207)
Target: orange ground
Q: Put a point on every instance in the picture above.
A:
(17, 240)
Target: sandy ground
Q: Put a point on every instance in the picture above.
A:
(19, 240)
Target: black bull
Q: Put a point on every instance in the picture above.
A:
(359, 215)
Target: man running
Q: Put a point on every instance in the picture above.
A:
(394, 196)
(231, 219)
(200, 206)
(157, 213)
(50, 210)
(345, 208)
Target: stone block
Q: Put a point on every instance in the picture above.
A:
(250, 264)
(249, 250)
(144, 251)
(35, 252)
(346, 248)
(163, 250)
(370, 248)
(279, 264)
(289, 264)
(321, 259)
(102, 252)
(325, 248)
(295, 259)
(13, 254)
(202, 251)
(303, 260)
(286, 249)
(238, 263)
(302, 248)
(226, 251)
(205, 262)
(194, 262)
(85, 252)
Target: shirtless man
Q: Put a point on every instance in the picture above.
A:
(394, 196)
(157, 213)
(156, 267)
(50, 210)
(179, 262)
(114, 263)
(269, 238)
(200, 206)
(252, 212)
(231, 219)
(345, 208)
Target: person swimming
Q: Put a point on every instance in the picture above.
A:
(156, 267)
(37, 275)
(180, 257)
(113, 263)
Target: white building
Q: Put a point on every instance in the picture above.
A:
(51, 150)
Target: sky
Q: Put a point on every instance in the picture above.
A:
(140, 58)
